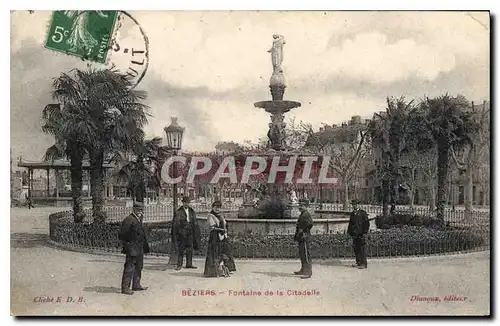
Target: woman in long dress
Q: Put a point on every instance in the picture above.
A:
(218, 247)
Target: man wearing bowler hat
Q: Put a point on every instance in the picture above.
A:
(302, 235)
(135, 245)
(186, 233)
(357, 228)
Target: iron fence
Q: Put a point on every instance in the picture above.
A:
(164, 212)
(152, 213)
(454, 216)
(397, 241)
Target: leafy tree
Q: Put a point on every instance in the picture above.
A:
(420, 171)
(346, 146)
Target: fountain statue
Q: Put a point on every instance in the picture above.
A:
(277, 53)
(292, 205)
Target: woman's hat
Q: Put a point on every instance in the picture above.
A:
(217, 203)
(186, 199)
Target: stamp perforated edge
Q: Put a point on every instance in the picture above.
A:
(114, 29)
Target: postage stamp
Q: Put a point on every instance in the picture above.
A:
(85, 34)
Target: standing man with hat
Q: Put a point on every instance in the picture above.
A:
(302, 235)
(135, 245)
(186, 233)
(358, 227)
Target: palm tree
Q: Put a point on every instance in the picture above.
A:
(377, 129)
(109, 117)
(64, 123)
(154, 155)
(449, 124)
(390, 136)
(144, 169)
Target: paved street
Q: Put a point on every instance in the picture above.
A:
(91, 283)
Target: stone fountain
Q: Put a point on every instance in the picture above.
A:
(273, 200)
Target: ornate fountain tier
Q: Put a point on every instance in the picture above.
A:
(276, 107)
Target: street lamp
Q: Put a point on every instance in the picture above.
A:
(173, 136)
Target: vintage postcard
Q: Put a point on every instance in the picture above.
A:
(250, 163)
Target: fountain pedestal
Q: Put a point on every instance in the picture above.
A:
(248, 211)
(292, 211)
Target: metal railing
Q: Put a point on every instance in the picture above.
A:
(397, 241)
(152, 213)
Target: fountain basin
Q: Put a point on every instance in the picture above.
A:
(333, 224)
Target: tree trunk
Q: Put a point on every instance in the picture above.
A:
(469, 195)
(346, 196)
(385, 198)
(432, 199)
(97, 186)
(412, 198)
(132, 194)
(140, 191)
(393, 195)
(442, 174)
(76, 158)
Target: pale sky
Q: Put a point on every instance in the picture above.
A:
(208, 68)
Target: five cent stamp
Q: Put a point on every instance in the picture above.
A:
(85, 34)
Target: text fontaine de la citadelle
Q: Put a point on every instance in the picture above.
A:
(249, 292)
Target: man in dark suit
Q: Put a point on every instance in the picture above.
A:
(357, 228)
(135, 245)
(186, 233)
(302, 235)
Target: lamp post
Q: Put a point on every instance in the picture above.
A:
(173, 136)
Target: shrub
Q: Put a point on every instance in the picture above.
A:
(398, 241)
(406, 219)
